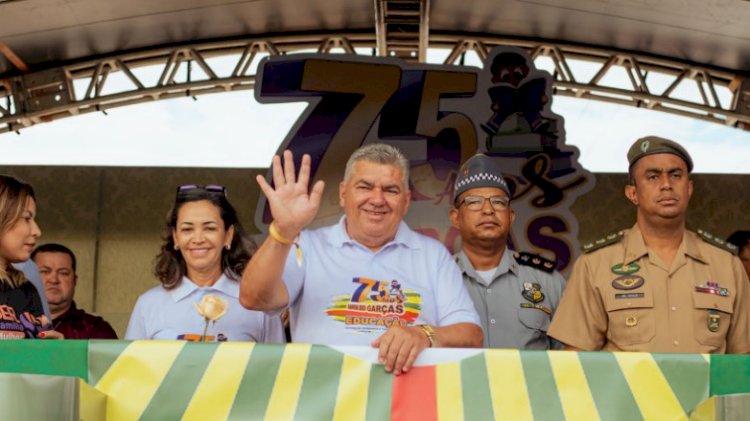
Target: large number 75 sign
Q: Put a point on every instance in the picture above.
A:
(347, 97)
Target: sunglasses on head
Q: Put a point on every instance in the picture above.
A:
(211, 188)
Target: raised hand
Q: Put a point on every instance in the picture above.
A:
(292, 207)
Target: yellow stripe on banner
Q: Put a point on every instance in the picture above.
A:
(651, 391)
(214, 397)
(134, 377)
(285, 394)
(351, 399)
(572, 386)
(450, 400)
(510, 396)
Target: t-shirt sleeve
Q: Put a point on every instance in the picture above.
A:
(137, 324)
(580, 320)
(273, 330)
(454, 304)
(294, 270)
(35, 302)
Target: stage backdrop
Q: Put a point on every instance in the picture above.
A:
(439, 116)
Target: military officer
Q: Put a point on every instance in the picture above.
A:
(657, 287)
(515, 294)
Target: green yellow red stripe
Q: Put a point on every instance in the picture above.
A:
(510, 397)
(178, 386)
(419, 381)
(608, 386)
(543, 396)
(351, 401)
(286, 390)
(572, 386)
(476, 385)
(216, 391)
(257, 382)
(317, 398)
(651, 390)
(449, 394)
(135, 376)
(379, 394)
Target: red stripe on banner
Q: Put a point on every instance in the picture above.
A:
(415, 395)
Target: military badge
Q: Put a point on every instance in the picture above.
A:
(626, 282)
(532, 292)
(712, 288)
(713, 320)
(631, 321)
(625, 269)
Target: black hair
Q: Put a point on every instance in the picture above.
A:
(55, 248)
(170, 265)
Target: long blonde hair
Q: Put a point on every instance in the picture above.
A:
(14, 195)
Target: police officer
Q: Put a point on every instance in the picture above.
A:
(657, 287)
(515, 294)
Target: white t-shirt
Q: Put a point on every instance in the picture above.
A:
(171, 315)
(344, 294)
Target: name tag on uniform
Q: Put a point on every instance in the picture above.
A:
(538, 307)
(630, 295)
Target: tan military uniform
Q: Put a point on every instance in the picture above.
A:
(621, 297)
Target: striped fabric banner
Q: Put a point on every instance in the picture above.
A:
(171, 380)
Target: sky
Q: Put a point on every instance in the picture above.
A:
(234, 130)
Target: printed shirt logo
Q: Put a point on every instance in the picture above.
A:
(375, 306)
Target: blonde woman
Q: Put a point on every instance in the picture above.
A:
(21, 311)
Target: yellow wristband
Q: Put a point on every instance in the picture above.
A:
(276, 236)
(430, 333)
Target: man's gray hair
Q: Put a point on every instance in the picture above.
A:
(379, 153)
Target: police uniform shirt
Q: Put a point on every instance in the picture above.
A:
(623, 298)
(516, 307)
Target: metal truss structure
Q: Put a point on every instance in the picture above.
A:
(50, 94)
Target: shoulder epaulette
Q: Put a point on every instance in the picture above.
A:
(535, 261)
(718, 242)
(609, 239)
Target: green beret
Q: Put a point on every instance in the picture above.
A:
(650, 145)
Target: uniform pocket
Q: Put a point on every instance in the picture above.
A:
(534, 318)
(711, 319)
(631, 320)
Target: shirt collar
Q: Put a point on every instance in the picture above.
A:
(635, 247)
(404, 236)
(187, 287)
(507, 264)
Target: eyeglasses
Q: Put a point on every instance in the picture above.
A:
(476, 203)
(211, 188)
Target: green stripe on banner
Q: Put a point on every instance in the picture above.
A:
(175, 391)
(543, 395)
(379, 394)
(685, 373)
(610, 390)
(102, 354)
(730, 374)
(475, 387)
(257, 383)
(317, 399)
(45, 356)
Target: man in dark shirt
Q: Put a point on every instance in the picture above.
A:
(57, 266)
